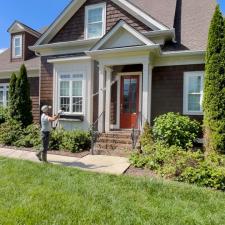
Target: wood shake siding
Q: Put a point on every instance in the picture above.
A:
(74, 28)
(167, 89)
(46, 91)
(34, 93)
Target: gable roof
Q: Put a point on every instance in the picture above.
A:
(17, 26)
(74, 5)
(122, 25)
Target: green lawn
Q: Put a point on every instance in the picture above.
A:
(33, 194)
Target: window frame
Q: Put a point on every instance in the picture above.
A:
(71, 79)
(187, 76)
(90, 7)
(14, 46)
(5, 90)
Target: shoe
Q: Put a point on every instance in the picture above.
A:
(39, 156)
(44, 158)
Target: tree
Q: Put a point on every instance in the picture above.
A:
(24, 103)
(12, 96)
(214, 88)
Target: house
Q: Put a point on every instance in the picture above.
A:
(117, 62)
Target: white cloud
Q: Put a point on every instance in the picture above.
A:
(2, 50)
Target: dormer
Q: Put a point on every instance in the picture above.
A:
(22, 37)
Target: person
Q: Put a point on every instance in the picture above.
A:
(46, 121)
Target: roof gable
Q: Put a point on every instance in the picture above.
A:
(122, 35)
(73, 7)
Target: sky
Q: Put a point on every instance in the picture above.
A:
(34, 13)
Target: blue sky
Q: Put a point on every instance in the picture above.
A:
(33, 14)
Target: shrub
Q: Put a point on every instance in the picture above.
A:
(4, 115)
(10, 132)
(75, 141)
(174, 129)
(12, 96)
(146, 137)
(214, 88)
(30, 137)
(56, 139)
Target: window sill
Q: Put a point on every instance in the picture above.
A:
(193, 113)
(77, 118)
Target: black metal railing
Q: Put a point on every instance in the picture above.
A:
(95, 133)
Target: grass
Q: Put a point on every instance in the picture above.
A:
(34, 194)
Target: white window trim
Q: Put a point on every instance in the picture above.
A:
(187, 75)
(13, 46)
(5, 89)
(87, 8)
(70, 96)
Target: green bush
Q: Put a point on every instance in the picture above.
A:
(56, 139)
(146, 137)
(10, 132)
(75, 141)
(4, 115)
(30, 137)
(175, 129)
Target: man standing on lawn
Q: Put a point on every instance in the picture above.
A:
(46, 121)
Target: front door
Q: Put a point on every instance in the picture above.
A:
(129, 102)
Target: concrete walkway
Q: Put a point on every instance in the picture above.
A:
(93, 163)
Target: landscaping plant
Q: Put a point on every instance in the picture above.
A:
(214, 88)
(12, 96)
(175, 129)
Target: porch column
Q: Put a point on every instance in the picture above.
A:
(145, 94)
(108, 98)
(101, 99)
(150, 94)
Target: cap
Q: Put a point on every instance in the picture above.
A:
(44, 108)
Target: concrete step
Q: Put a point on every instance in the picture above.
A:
(116, 135)
(112, 140)
(106, 146)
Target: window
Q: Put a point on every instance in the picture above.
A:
(17, 46)
(71, 92)
(193, 93)
(95, 21)
(4, 94)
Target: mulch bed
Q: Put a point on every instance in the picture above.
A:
(138, 172)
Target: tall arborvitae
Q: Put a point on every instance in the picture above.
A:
(12, 96)
(214, 88)
(24, 104)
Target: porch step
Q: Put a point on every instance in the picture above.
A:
(114, 140)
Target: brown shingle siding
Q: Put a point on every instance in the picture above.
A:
(74, 28)
(167, 89)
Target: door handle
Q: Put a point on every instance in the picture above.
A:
(121, 107)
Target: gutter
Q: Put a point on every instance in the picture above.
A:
(183, 53)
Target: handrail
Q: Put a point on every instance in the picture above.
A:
(136, 131)
(94, 133)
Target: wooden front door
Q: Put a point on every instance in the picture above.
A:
(129, 101)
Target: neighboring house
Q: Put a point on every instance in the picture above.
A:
(123, 61)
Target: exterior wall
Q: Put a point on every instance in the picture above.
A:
(34, 93)
(167, 89)
(74, 28)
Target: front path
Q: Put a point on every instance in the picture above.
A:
(94, 163)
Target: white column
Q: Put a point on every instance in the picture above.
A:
(145, 92)
(89, 104)
(101, 98)
(108, 99)
(150, 94)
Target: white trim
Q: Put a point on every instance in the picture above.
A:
(89, 7)
(69, 59)
(4, 89)
(140, 15)
(20, 37)
(128, 28)
(187, 75)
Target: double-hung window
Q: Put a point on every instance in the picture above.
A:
(193, 93)
(71, 93)
(95, 21)
(17, 46)
(4, 95)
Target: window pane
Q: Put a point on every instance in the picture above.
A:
(1, 96)
(77, 88)
(95, 15)
(64, 88)
(77, 105)
(95, 30)
(17, 51)
(65, 103)
(194, 84)
(194, 102)
(17, 42)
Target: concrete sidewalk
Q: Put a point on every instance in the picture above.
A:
(93, 163)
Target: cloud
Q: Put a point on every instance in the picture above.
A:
(2, 50)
